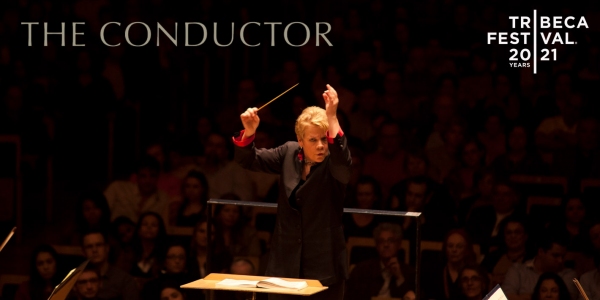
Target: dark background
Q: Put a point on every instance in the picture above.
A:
(85, 115)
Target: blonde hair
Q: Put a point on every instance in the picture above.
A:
(312, 115)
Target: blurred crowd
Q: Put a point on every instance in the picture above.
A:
(436, 120)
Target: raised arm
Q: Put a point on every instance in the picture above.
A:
(338, 145)
(245, 154)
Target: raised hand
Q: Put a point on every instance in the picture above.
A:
(331, 101)
(250, 120)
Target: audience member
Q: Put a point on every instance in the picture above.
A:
(116, 283)
(444, 110)
(166, 182)
(492, 137)
(581, 160)
(572, 224)
(367, 196)
(590, 280)
(197, 262)
(223, 175)
(240, 266)
(474, 282)
(484, 182)
(131, 200)
(172, 291)
(513, 248)
(44, 275)
(521, 278)
(148, 244)
(123, 231)
(550, 286)
(88, 284)
(443, 280)
(386, 165)
(483, 223)
(444, 157)
(233, 234)
(192, 207)
(92, 213)
(417, 164)
(386, 275)
(173, 262)
(435, 207)
(558, 132)
(519, 157)
(461, 180)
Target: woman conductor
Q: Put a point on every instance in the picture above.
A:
(308, 241)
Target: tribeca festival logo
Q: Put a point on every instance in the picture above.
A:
(549, 33)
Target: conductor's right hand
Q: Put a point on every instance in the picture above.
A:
(250, 120)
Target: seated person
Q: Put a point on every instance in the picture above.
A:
(174, 270)
(551, 286)
(197, 264)
(115, 283)
(513, 249)
(521, 278)
(43, 275)
(233, 234)
(88, 284)
(483, 223)
(435, 208)
(474, 283)
(367, 196)
(590, 280)
(148, 244)
(192, 207)
(171, 291)
(240, 266)
(386, 275)
(443, 278)
(92, 213)
(130, 199)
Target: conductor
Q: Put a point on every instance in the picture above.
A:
(308, 241)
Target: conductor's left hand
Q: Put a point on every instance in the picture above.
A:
(331, 101)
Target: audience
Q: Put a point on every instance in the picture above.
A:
(367, 196)
(115, 283)
(550, 286)
(384, 276)
(92, 213)
(483, 223)
(223, 175)
(400, 87)
(148, 244)
(474, 282)
(233, 234)
(130, 200)
(521, 278)
(443, 281)
(197, 262)
(172, 291)
(589, 280)
(88, 284)
(519, 157)
(513, 248)
(192, 207)
(44, 275)
(386, 165)
(174, 270)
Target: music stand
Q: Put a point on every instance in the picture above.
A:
(62, 290)
(210, 283)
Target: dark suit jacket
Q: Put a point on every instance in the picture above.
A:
(480, 226)
(307, 241)
(366, 281)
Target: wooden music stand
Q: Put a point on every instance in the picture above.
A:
(210, 283)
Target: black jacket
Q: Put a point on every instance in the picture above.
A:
(307, 241)
(366, 280)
